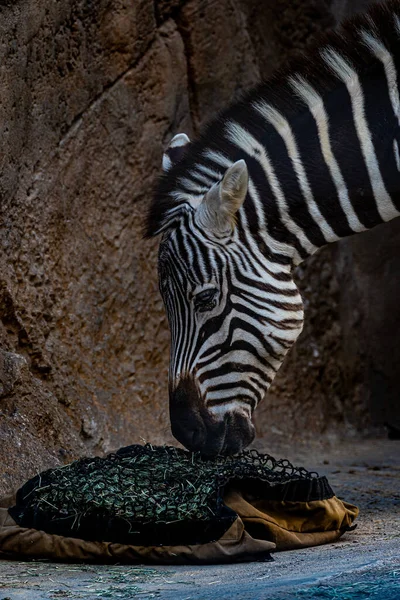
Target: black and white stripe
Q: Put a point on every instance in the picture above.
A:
(321, 146)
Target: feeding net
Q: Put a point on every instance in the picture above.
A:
(145, 495)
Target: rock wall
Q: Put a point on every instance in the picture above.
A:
(90, 93)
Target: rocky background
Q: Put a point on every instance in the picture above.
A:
(90, 92)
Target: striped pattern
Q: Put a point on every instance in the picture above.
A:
(321, 145)
(254, 317)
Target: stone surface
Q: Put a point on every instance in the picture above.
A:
(369, 274)
(12, 367)
(91, 91)
(90, 94)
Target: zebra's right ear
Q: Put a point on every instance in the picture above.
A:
(219, 207)
(175, 151)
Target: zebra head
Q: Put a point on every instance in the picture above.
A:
(233, 314)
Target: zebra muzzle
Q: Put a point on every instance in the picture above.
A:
(199, 430)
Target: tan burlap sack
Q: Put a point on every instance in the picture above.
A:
(262, 526)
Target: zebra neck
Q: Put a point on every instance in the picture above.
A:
(331, 169)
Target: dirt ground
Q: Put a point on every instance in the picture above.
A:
(363, 564)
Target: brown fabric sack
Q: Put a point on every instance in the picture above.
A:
(262, 526)
(292, 525)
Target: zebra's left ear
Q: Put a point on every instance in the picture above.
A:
(217, 212)
(175, 150)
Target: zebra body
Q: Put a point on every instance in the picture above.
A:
(306, 159)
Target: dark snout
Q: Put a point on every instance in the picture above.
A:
(199, 430)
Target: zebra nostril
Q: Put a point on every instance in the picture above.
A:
(240, 433)
(193, 437)
(198, 438)
(187, 423)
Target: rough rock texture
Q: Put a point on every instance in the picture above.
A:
(369, 274)
(91, 90)
(90, 93)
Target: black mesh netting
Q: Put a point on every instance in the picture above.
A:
(146, 495)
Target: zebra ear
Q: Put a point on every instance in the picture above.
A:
(217, 212)
(175, 150)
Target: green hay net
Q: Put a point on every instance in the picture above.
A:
(145, 495)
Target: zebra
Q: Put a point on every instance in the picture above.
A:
(304, 159)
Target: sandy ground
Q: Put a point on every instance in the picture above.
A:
(363, 564)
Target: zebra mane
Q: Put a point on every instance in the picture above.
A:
(382, 20)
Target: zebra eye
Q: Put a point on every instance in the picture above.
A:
(205, 300)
